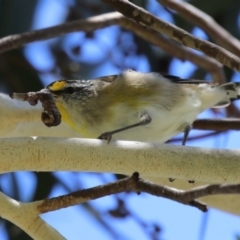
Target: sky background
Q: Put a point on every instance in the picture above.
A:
(176, 221)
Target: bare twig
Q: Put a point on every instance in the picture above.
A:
(217, 124)
(87, 25)
(176, 50)
(206, 22)
(133, 183)
(214, 189)
(144, 18)
(50, 116)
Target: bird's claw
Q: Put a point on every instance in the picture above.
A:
(106, 136)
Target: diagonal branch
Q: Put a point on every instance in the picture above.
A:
(136, 184)
(145, 18)
(133, 183)
(206, 22)
(175, 49)
(88, 25)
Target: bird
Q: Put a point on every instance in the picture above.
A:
(137, 106)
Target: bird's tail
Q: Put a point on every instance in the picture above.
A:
(232, 90)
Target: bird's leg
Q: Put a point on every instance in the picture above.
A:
(144, 120)
(186, 133)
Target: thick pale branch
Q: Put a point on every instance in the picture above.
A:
(51, 154)
(145, 18)
(27, 218)
(206, 22)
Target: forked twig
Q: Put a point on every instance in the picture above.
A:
(133, 183)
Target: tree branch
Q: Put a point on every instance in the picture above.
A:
(144, 18)
(51, 154)
(176, 50)
(206, 22)
(133, 183)
(217, 124)
(213, 189)
(38, 229)
(27, 218)
(88, 25)
(138, 185)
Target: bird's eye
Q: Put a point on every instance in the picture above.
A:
(69, 90)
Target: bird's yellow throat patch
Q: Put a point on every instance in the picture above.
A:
(57, 86)
(82, 128)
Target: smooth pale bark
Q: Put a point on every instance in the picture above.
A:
(78, 154)
(27, 218)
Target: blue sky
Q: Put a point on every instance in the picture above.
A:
(176, 220)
